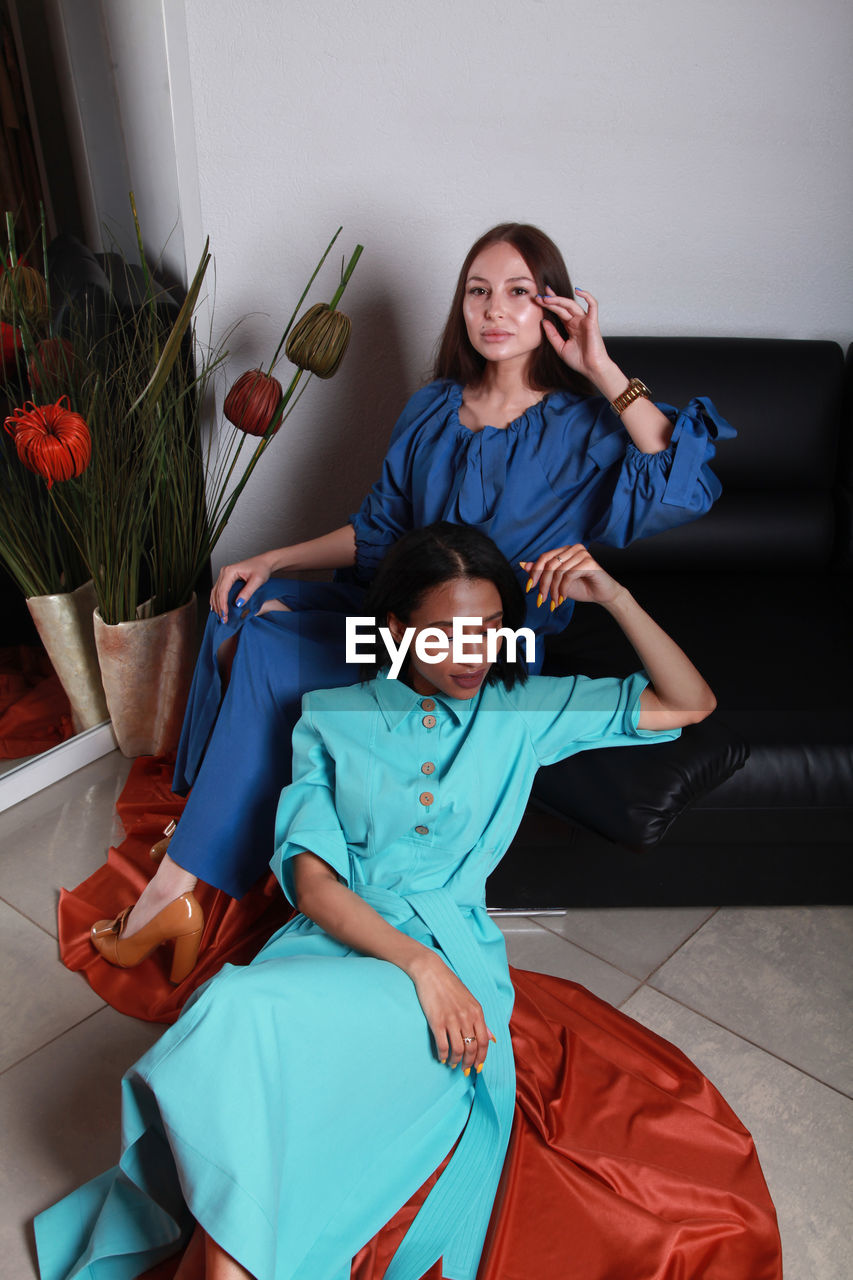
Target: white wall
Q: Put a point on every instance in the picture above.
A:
(689, 156)
(112, 64)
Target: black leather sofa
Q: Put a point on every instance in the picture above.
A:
(758, 592)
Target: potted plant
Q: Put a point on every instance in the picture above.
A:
(112, 386)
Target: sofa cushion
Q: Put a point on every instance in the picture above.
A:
(782, 396)
(633, 796)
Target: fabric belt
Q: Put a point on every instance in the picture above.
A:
(454, 1218)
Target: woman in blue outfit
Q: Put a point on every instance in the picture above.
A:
(299, 1101)
(530, 433)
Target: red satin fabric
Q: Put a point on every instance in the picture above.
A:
(34, 711)
(624, 1162)
(233, 931)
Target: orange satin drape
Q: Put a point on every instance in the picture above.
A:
(624, 1162)
(34, 711)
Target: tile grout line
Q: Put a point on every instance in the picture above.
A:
(594, 954)
(646, 982)
(613, 964)
(746, 1040)
(29, 919)
(53, 1039)
(683, 943)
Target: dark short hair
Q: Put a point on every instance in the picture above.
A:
(429, 557)
(457, 359)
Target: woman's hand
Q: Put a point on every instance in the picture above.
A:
(570, 573)
(676, 694)
(253, 572)
(455, 1018)
(583, 349)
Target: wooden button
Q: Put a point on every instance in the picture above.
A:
(422, 831)
(428, 722)
(428, 704)
(426, 797)
(428, 767)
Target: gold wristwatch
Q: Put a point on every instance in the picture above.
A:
(634, 391)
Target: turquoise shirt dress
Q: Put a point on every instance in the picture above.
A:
(298, 1102)
(566, 471)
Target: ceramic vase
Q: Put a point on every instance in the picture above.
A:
(65, 624)
(146, 668)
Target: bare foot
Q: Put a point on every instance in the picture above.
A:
(168, 883)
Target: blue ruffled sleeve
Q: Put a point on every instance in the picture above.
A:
(386, 513)
(636, 494)
(306, 819)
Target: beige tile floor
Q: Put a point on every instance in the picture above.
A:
(760, 998)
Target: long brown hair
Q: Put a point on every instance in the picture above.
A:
(458, 360)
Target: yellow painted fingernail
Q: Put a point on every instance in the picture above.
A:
(553, 606)
(479, 1067)
(467, 1071)
(529, 584)
(539, 600)
(443, 1060)
(562, 598)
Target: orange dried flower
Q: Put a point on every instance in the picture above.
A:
(252, 401)
(51, 440)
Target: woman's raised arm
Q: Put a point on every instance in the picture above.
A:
(335, 550)
(584, 351)
(677, 695)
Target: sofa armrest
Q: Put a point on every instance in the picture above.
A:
(632, 796)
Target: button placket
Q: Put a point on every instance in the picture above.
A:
(427, 798)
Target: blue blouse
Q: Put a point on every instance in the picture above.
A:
(566, 471)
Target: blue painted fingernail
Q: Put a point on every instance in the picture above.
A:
(240, 601)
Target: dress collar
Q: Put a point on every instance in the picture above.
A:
(397, 700)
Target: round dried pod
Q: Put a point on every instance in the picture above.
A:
(252, 402)
(51, 440)
(319, 340)
(23, 292)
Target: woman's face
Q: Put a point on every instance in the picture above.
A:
(462, 598)
(503, 319)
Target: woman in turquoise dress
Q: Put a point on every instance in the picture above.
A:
(298, 1102)
(531, 434)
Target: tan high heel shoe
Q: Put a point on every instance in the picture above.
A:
(181, 922)
(157, 850)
